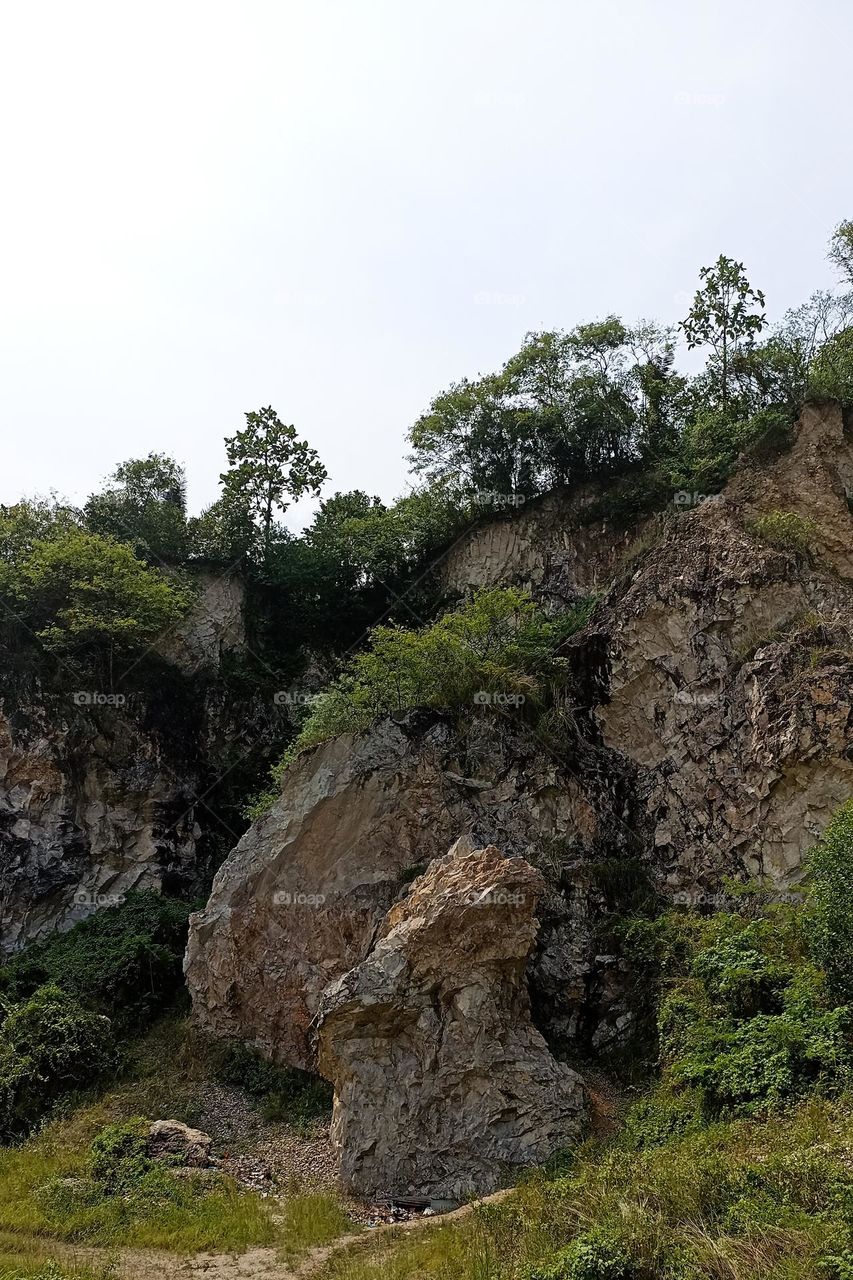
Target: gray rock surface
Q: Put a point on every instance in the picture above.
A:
(442, 1083)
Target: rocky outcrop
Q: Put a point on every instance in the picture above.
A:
(728, 672)
(300, 899)
(91, 806)
(556, 547)
(706, 732)
(442, 1084)
(177, 1144)
(214, 626)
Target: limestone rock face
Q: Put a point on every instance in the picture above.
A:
(729, 679)
(300, 899)
(547, 547)
(441, 1080)
(214, 626)
(90, 808)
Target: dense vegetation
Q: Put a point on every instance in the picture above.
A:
(602, 402)
(66, 1003)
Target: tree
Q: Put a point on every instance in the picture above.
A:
(146, 506)
(841, 249)
(721, 316)
(269, 467)
(84, 594)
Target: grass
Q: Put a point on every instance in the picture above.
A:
(742, 1200)
(309, 1219)
(165, 1076)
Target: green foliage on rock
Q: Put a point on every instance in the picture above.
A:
(495, 646)
(125, 961)
(88, 596)
(787, 530)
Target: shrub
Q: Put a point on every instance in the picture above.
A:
(787, 531)
(85, 594)
(50, 1046)
(598, 1254)
(830, 906)
(124, 961)
(118, 1158)
(496, 643)
(752, 1022)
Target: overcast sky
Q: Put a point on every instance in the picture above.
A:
(338, 207)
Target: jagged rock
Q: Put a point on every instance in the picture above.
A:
(214, 626)
(171, 1138)
(441, 1080)
(300, 898)
(550, 547)
(730, 683)
(91, 806)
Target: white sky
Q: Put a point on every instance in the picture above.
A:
(339, 206)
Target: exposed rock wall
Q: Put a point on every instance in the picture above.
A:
(442, 1083)
(547, 548)
(91, 807)
(299, 900)
(709, 732)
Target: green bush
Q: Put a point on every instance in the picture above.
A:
(118, 1159)
(50, 1046)
(497, 643)
(124, 961)
(830, 903)
(598, 1254)
(752, 1022)
(787, 530)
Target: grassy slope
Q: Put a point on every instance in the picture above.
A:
(223, 1219)
(744, 1200)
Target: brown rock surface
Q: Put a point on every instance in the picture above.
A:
(441, 1080)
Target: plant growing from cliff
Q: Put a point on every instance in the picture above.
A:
(495, 650)
(787, 530)
(724, 316)
(268, 468)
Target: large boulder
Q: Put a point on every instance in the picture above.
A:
(442, 1083)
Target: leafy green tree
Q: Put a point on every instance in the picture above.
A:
(86, 595)
(269, 467)
(224, 533)
(841, 249)
(145, 506)
(723, 317)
